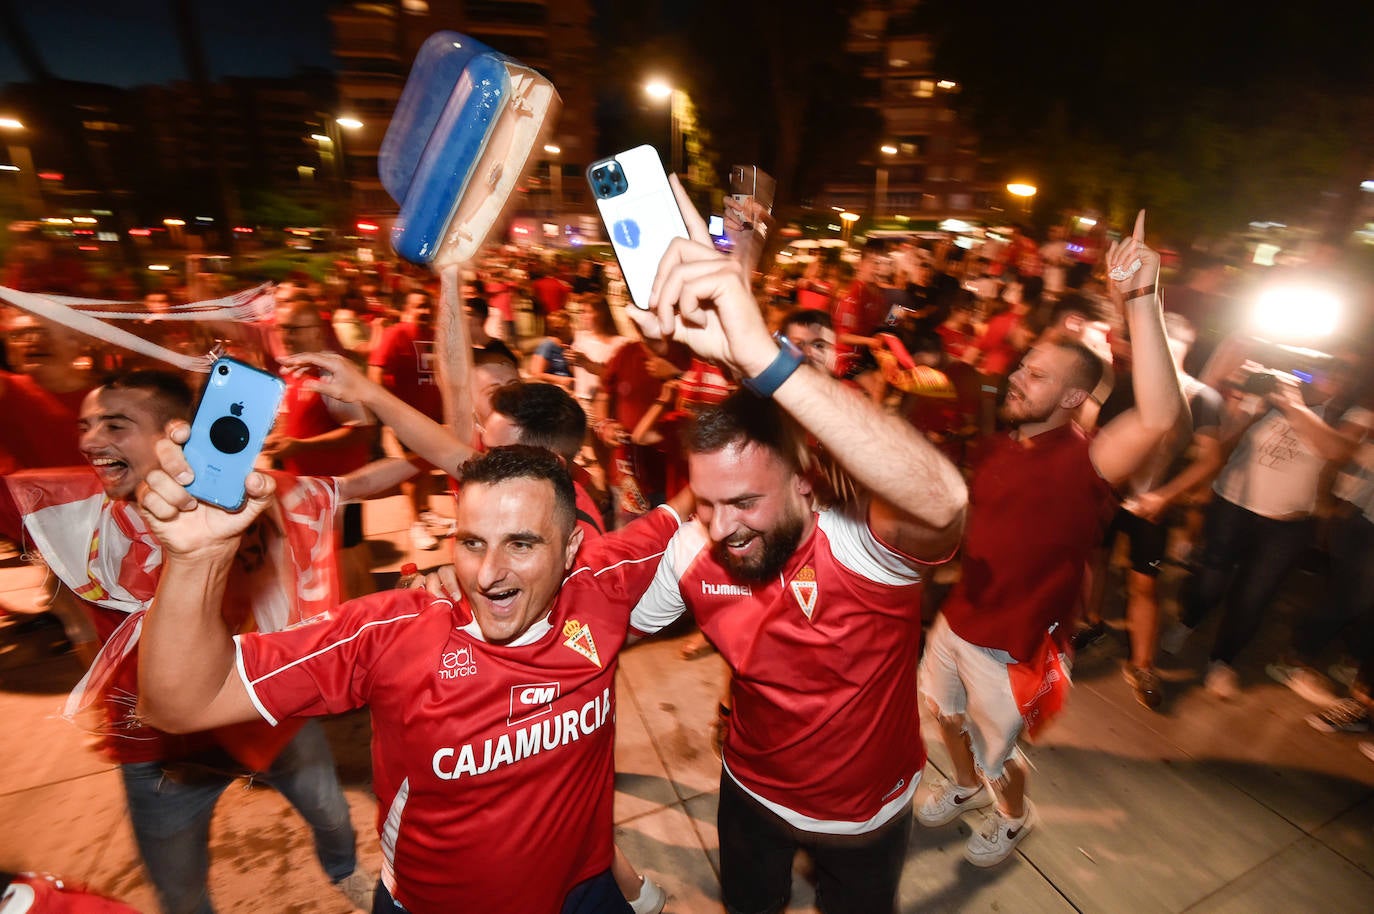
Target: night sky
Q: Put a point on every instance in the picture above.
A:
(134, 42)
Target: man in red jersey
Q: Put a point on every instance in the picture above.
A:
(1040, 499)
(816, 611)
(493, 715)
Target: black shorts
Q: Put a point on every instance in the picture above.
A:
(1148, 540)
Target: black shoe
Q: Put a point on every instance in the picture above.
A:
(1087, 636)
(1146, 685)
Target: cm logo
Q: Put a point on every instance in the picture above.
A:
(531, 700)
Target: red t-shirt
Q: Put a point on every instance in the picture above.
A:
(551, 293)
(304, 414)
(492, 764)
(1036, 509)
(858, 311)
(825, 731)
(406, 356)
(632, 390)
(40, 426)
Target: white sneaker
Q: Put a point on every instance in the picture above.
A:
(420, 537)
(1307, 683)
(998, 837)
(949, 801)
(651, 898)
(358, 887)
(438, 525)
(1222, 681)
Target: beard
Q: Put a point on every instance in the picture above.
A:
(778, 546)
(1017, 410)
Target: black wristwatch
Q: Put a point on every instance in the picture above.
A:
(789, 359)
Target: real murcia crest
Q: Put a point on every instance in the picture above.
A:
(804, 588)
(579, 638)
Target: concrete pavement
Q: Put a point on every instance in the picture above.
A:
(1204, 807)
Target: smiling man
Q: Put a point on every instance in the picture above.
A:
(492, 716)
(815, 608)
(94, 540)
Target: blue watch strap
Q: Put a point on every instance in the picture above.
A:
(788, 360)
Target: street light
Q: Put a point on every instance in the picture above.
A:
(659, 90)
(847, 219)
(555, 175)
(1025, 192)
(880, 182)
(331, 148)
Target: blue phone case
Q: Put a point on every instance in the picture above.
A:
(236, 411)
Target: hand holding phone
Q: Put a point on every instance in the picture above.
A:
(237, 409)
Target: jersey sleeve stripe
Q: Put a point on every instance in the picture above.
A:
(663, 603)
(248, 686)
(327, 648)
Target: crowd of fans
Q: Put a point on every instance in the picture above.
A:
(1272, 466)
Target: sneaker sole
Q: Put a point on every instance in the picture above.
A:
(1316, 722)
(987, 861)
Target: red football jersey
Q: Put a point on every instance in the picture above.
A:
(492, 764)
(1036, 509)
(825, 730)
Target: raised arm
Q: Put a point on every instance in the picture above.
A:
(1128, 440)
(187, 680)
(338, 378)
(700, 298)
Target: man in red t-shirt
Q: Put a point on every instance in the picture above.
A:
(817, 612)
(404, 363)
(493, 714)
(316, 435)
(1040, 499)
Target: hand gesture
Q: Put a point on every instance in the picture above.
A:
(336, 376)
(1132, 266)
(1148, 505)
(701, 297)
(442, 582)
(183, 525)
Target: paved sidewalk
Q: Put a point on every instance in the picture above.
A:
(1207, 806)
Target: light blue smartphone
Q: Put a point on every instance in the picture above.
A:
(236, 411)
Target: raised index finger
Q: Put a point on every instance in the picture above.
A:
(1139, 233)
(696, 226)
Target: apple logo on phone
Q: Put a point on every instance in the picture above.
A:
(626, 233)
(229, 434)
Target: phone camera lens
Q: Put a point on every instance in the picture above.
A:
(224, 369)
(229, 434)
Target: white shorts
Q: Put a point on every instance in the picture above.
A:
(959, 678)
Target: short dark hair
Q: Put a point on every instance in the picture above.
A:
(479, 306)
(171, 394)
(807, 317)
(494, 353)
(547, 414)
(743, 418)
(1087, 372)
(520, 461)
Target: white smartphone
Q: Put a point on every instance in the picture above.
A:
(640, 212)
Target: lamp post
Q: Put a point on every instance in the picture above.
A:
(847, 221)
(332, 156)
(555, 176)
(29, 194)
(1026, 192)
(660, 90)
(880, 182)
